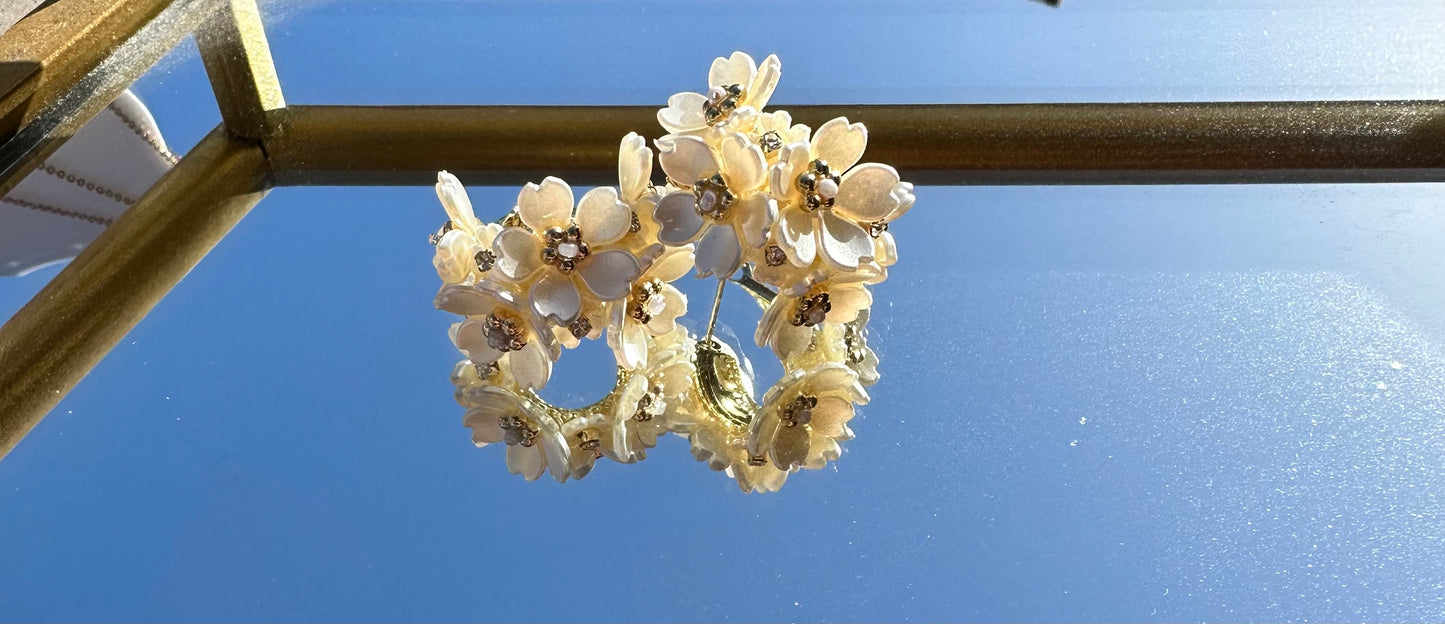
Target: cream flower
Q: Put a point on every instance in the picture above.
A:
(725, 205)
(534, 443)
(795, 314)
(827, 207)
(464, 245)
(735, 84)
(652, 395)
(498, 328)
(567, 262)
(634, 188)
(651, 310)
(804, 415)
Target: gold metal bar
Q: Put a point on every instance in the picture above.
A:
(238, 60)
(54, 341)
(1167, 143)
(64, 63)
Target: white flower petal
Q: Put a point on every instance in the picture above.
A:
(686, 159)
(466, 300)
(844, 244)
(531, 366)
(557, 453)
(847, 302)
(634, 344)
(518, 254)
(830, 415)
(677, 218)
(454, 198)
(609, 274)
(454, 257)
(602, 217)
(674, 304)
(546, 205)
(768, 324)
(791, 339)
(744, 164)
(798, 240)
(737, 69)
(718, 253)
(903, 192)
(555, 298)
(485, 425)
(674, 263)
(684, 113)
(765, 81)
(840, 143)
(756, 214)
(525, 461)
(471, 337)
(886, 249)
(783, 177)
(634, 167)
(866, 193)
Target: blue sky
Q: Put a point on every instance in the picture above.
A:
(1098, 403)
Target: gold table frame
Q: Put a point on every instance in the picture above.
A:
(66, 61)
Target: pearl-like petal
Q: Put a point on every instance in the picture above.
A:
(485, 425)
(686, 159)
(674, 263)
(684, 113)
(555, 298)
(602, 217)
(525, 461)
(718, 253)
(531, 366)
(796, 229)
(840, 143)
(634, 167)
(518, 254)
(844, 244)
(737, 69)
(465, 300)
(471, 338)
(867, 193)
(454, 198)
(756, 214)
(743, 163)
(609, 274)
(546, 205)
(847, 302)
(765, 81)
(677, 218)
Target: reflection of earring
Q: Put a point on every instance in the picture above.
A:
(786, 213)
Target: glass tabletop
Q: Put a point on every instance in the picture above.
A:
(1145, 403)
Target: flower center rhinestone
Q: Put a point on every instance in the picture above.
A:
(636, 224)
(580, 327)
(485, 371)
(590, 440)
(819, 185)
(800, 411)
(485, 260)
(650, 406)
(812, 310)
(504, 334)
(647, 301)
(775, 256)
(771, 141)
(714, 200)
(721, 102)
(436, 237)
(564, 248)
(516, 431)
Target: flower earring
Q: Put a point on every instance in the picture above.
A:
(786, 213)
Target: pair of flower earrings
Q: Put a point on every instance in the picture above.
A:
(784, 211)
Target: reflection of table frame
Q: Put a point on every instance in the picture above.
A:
(62, 64)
